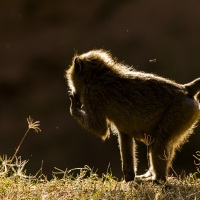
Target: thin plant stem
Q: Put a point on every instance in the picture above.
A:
(31, 125)
(19, 145)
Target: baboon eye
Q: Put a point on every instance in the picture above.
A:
(78, 66)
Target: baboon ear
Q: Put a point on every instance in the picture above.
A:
(78, 66)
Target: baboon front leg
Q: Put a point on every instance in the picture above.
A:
(128, 158)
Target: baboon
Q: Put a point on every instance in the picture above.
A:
(109, 96)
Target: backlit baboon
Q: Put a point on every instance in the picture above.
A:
(105, 94)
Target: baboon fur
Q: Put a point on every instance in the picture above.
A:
(142, 107)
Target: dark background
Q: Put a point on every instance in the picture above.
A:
(37, 41)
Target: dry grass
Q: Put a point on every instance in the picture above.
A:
(84, 183)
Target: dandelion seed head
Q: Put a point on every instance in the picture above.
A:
(33, 125)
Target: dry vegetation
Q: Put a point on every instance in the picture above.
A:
(84, 183)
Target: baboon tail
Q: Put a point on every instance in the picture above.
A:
(193, 87)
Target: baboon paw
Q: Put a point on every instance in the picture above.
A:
(75, 100)
(159, 182)
(144, 176)
(129, 177)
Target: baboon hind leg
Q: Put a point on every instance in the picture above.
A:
(128, 158)
(175, 126)
(147, 175)
(161, 156)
